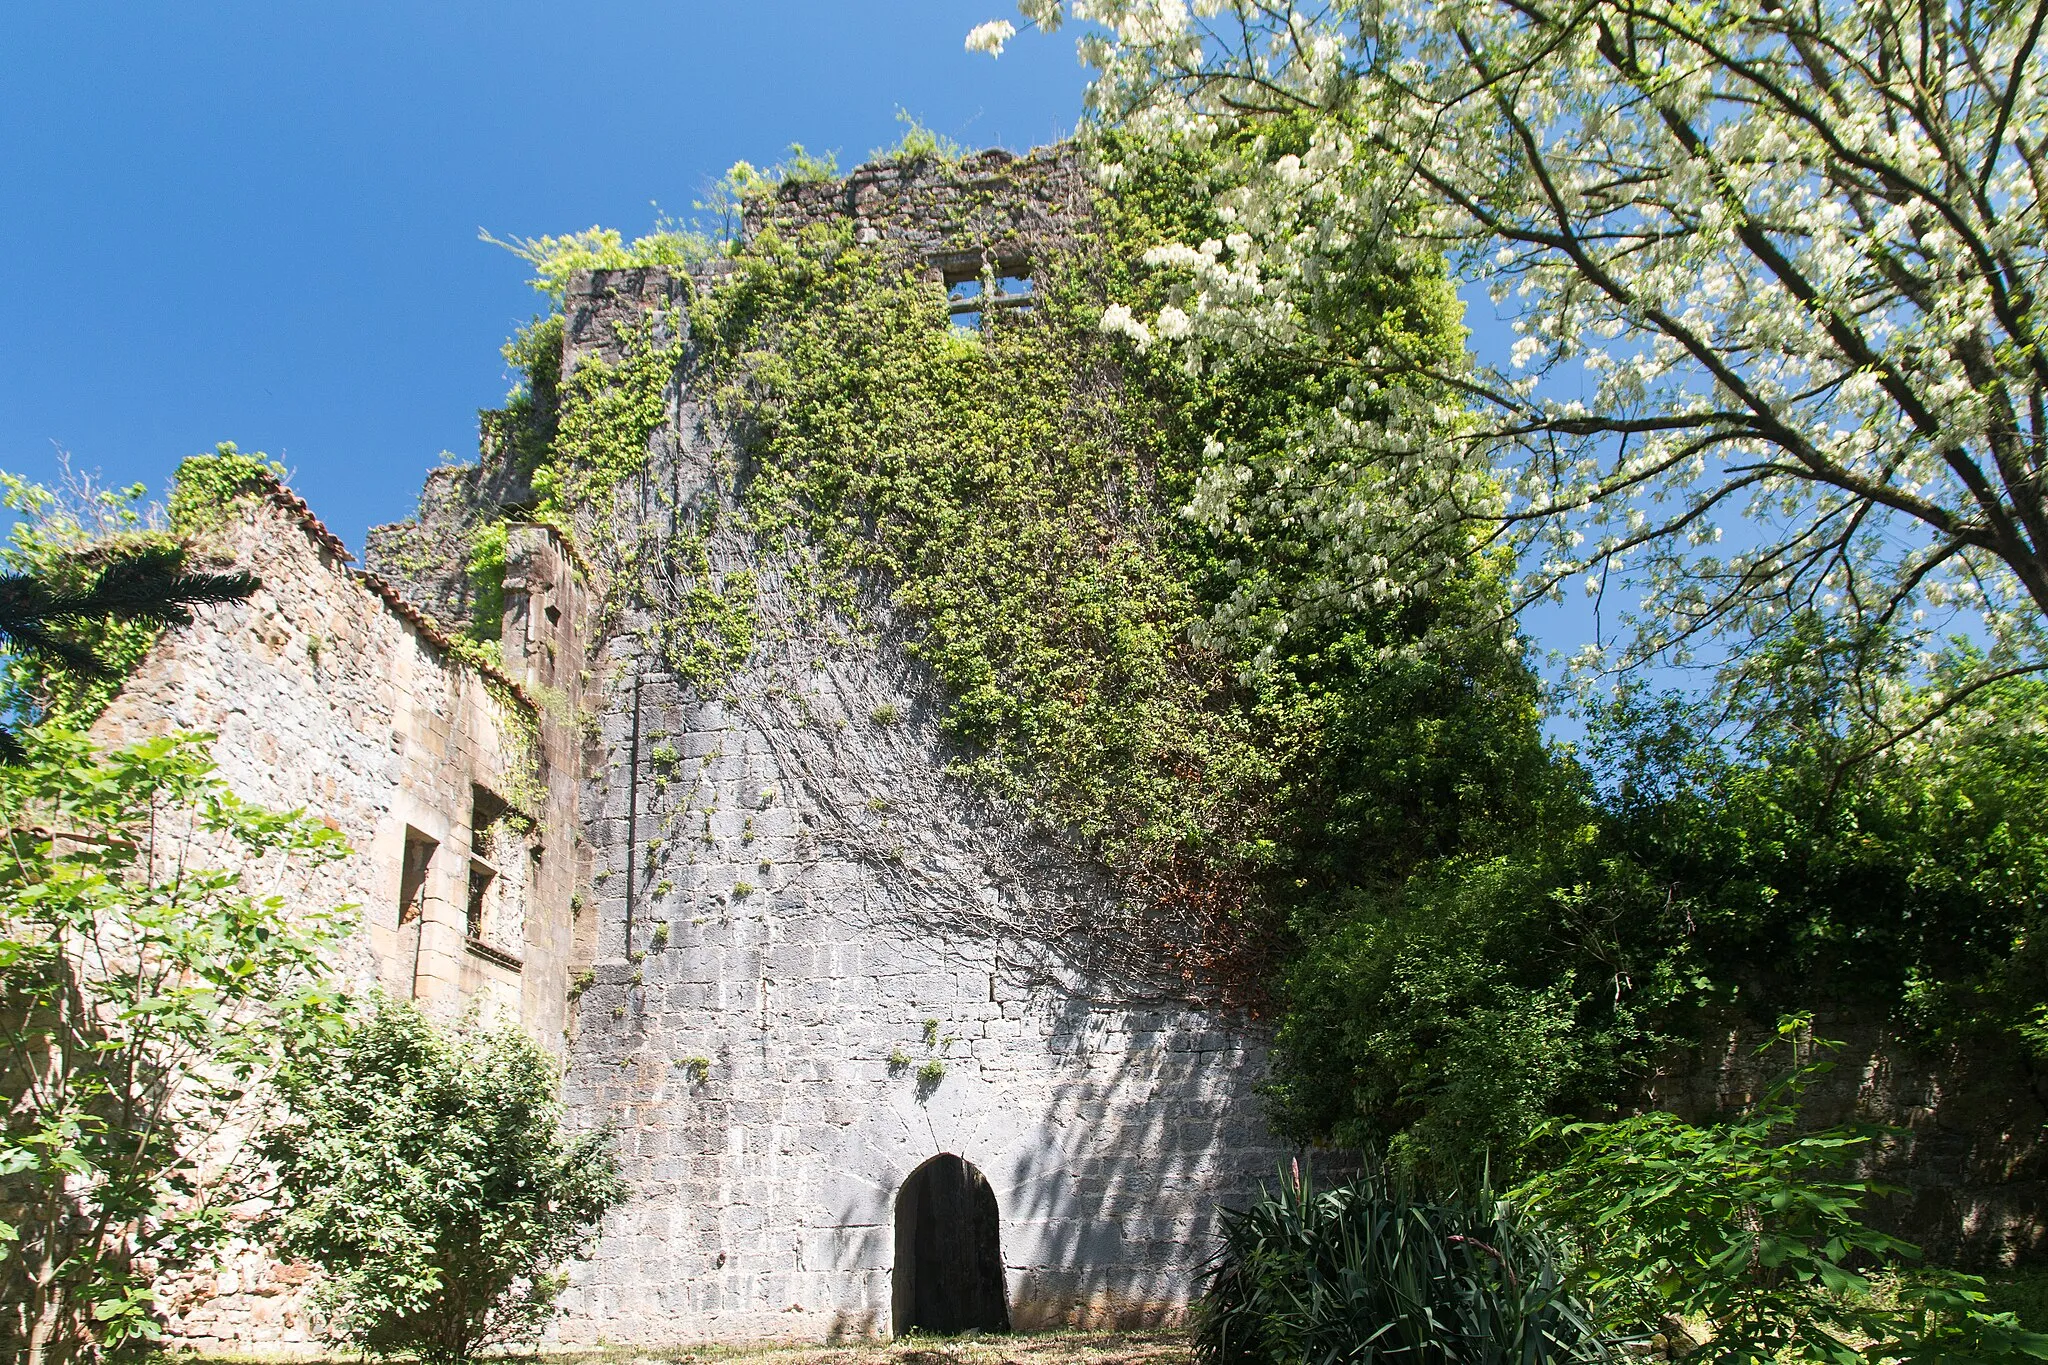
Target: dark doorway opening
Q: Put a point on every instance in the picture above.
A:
(949, 1252)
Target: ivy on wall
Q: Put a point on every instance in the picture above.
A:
(1020, 491)
(1461, 929)
(605, 415)
(53, 538)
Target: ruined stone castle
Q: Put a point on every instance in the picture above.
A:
(877, 1054)
(870, 1059)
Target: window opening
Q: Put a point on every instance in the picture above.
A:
(487, 812)
(412, 876)
(481, 875)
(949, 1254)
(963, 304)
(969, 299)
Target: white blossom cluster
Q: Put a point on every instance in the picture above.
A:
(1775, 276)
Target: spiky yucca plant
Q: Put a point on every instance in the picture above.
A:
(1366, 1272)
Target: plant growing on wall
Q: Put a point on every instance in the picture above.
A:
(486, 569)
(427, 1173)
(146, 998)
(90, 579)
(1019, 490)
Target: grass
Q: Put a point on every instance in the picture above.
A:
(1046, 1348)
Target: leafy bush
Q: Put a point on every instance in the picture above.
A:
(1754, 1227)
(1443, 1020)
(146, 996)
(1671, 876)
(428, 1175)
(1365, 1273)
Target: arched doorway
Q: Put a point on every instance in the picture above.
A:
(949, 1251)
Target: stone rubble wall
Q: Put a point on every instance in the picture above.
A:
(992, 210)
(788, 956)
(326, 697)
(798, 909)
(789, 885)
(427, 558)
(1962, 1137)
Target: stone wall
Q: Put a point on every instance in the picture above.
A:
(790, 932)
(1964, 1126)
(798, 912)
(328, 692)
(789, 957)
(426, 560)
(992, 210)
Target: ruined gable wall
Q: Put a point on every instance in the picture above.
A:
(992, 209)
(324, 697)
(329, 696)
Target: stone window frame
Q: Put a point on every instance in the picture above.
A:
(989, 271)
(489, 818)
(415, 869)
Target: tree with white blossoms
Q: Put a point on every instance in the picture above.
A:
(1774, 269)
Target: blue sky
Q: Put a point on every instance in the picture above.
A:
(257, 222)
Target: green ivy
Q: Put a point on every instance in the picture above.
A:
(990, 481)
(1020, 489)
(487, 581)
(607, 414)
(205, 486)
(709, 634)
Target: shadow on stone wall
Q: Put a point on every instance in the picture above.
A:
(1966, 1150)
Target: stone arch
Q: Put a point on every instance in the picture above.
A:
(949, 1251)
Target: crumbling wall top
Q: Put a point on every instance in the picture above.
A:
(993, 209)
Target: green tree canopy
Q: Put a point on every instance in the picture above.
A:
(148, 994)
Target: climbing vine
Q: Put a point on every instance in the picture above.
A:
(997, 490)
(606, 414)
(710, 627)
(487, 580)
(1017, 495)
(1020, 491)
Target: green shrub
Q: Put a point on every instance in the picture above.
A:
(1754, 1227)
(427, 1174)
(1365, 1272)
(205, 486)
(2022, 1293)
